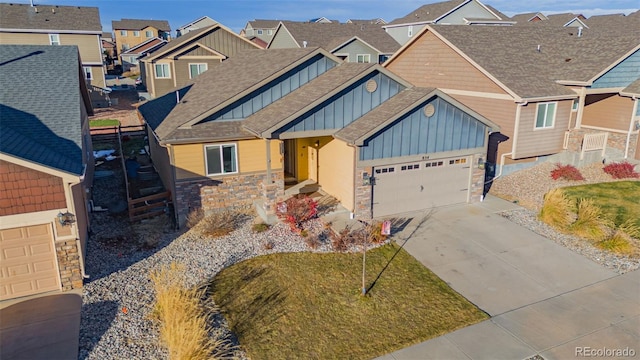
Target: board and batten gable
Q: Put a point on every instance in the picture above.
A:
(189, 160)
(346, 106)
(449, 129)
(282, 39)
(537, 142)
(275, 90)
(621, 75)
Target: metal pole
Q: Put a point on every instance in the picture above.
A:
(364, 259)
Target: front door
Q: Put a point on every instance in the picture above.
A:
(313, 163)
(290, 158)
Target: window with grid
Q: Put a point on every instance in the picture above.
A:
(162, 71)
(196, 69)
(363, 58)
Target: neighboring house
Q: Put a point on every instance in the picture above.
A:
(131, 32)
(350, 42)
(453, 12)
(57, 25)
(46, 169)
(365, 136)
(563, 20)
(184, 58)
(129, 58)
(378, 21)
(261, 29)
(108, 49)
(544, 92)
(194, 25)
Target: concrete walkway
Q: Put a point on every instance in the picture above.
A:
(543, 298)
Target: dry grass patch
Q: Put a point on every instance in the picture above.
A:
(556, 210)
(287, 306)
(216, 224)
(184, 319)
(619, 243)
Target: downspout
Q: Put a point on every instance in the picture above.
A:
(631, 123)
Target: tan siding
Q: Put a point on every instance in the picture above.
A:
(188, 161)
(98, 76)
(82, 216)
(282, 40)
(132, 40)
(226, 43)
(430, 62)
(501, 112)
(337, 171)
(612, 112)
(161, 161)
(88, 44)
(182, 68)
(252, 155)
(542, 141)
(302, 154)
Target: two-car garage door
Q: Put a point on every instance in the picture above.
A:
(27, 261)
(420, 185)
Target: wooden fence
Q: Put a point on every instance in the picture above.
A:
(149, 206)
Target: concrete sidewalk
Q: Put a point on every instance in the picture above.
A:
(543, 298)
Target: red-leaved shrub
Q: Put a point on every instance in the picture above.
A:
(296, 210)
(621, 170)
(566, 172)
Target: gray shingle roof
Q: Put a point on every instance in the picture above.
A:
(510, 54)
(633, 88)
(331, 35)
(50, 17)
(229, 80)
(264, 24)
(311, 92)
(40, 99)
(139, 24)
(428, 12)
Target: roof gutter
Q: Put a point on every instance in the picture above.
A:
(550, 98)
(201, 140)
(50, 31)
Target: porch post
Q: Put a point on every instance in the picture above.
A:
(581, 101)
(268, 179)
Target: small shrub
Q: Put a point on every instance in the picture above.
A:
(296, 210)
(619, 243)
(591, 223)
(194, 217)
(375, 233)
(623, 170)
(629, 227)
(343, 240)
(304, 233)
(566, 172)
(260, 227)
(218, 223)
(556, 210)
(312, 241)
(268, 245)
(184, 319)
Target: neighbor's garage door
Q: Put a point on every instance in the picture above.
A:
(420, 185)
(27, 261)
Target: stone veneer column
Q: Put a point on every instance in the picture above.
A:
(477, 178)
(272, 192)
(69, 264)
(364, 193)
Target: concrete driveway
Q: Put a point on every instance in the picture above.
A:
(46, 327)
(543, 298)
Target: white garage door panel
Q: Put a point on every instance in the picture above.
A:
(27, 261)
(420, 185)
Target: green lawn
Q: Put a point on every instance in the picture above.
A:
(618, 200)
(305, 305)
(103, 123)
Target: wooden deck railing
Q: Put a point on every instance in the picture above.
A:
(148, 206)
(597, 141)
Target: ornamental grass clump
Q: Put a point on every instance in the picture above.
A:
(184, 319)
(556, 210)
(619, 243)
(623, 170)
(566, 172)
(591, 223)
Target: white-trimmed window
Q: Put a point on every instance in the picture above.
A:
(136, 33)
(54, 39)
(363, 58)
(125, 47)
(133, 59)
(148, 34)
(410, 31)
(162, 71)
(87, 72)
(123, 32)
(546, 115)
(221, 159)
(196, 69)
(260, 31)
(574, 107)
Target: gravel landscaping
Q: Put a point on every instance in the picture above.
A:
(527, 188)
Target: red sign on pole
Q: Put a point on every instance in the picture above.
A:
(386, 228)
